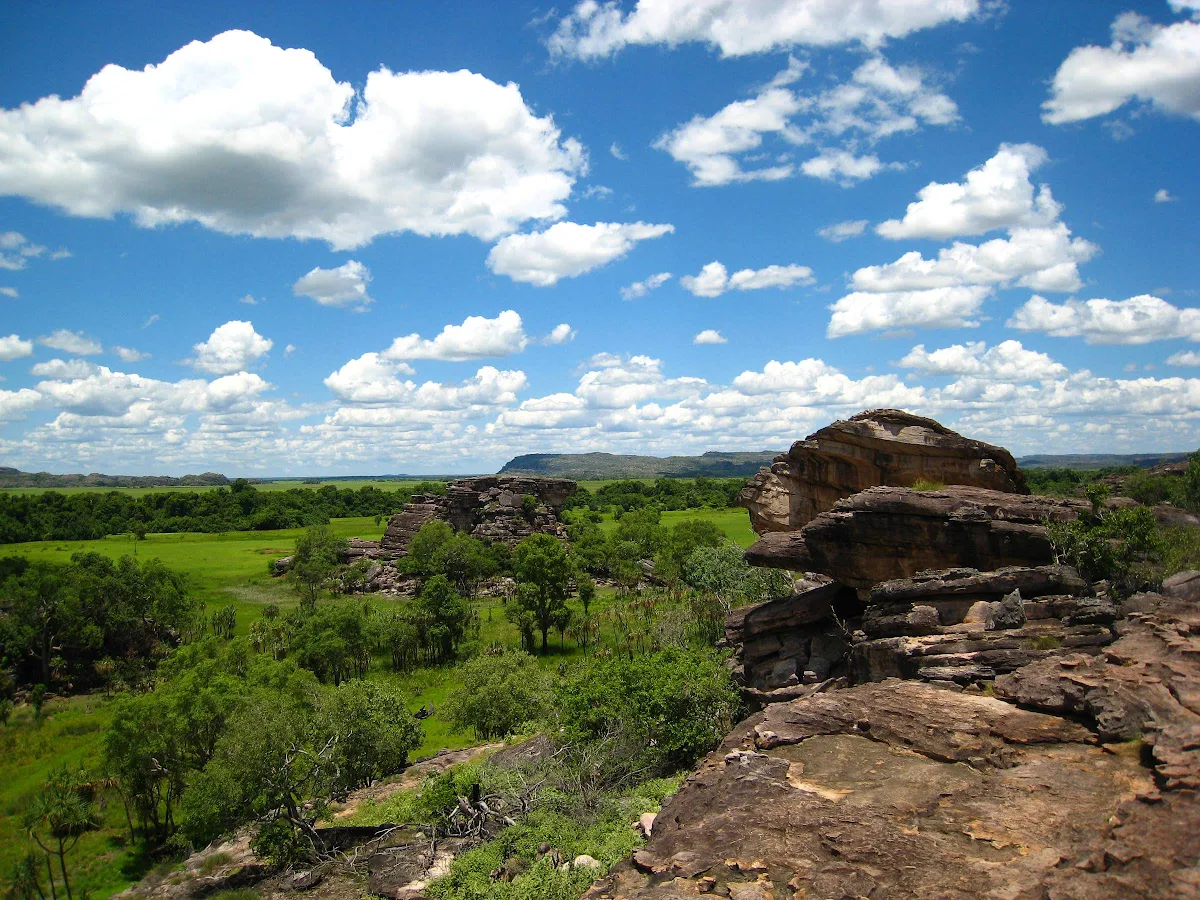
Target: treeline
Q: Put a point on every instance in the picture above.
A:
(92, 623)
(53, 516)
(1147, 487)
(663, 493)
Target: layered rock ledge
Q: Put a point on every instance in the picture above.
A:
(885, 533)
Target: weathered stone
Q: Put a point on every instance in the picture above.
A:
(490, 507)
(886, 533)
(905, 790)
(1146, 685)
(1183, 586)
(877, 447)
(792, 640)
(999, 650)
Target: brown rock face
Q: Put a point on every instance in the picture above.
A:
(885, 533)
(490, 507)
(878, 447)
(903, 789)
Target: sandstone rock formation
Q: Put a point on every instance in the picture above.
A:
(885, 533)
(903, 789)
(491, 507)
(878, 447)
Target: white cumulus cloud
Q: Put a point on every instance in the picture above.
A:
(842, 166)
(130, 355)
(232, 347)
(567, 249)
(344, 286)
(998, 194)
(1162, 195)
(1184, 358)
(645, 286)
(1044, 258)
(714, 279)
(478, 337)
(844, 231)
(63, 369)
(879, 100)
(245, 137)
(1156, 64)
(945, 307)
(372, 380)
(560, 334)
(596, 29)
(74, 342)
(709, 336)
(1008, 361)
(14, 347)
(1138, 320)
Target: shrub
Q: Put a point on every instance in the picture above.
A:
(672, 706)
(1112, 546)
(498, 694)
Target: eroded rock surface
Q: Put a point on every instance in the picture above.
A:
(877, 447)
(885, 533)
(491, 507)
(902, 789)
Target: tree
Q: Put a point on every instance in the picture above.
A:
(318, 553)
(442, 617)
(278, 765)
(587, 593)
(425, 547)
(61, 812)
(723, 572)
(498, 694)
(465, 560)
(683, 540)
(543, 572)
(1191, 482)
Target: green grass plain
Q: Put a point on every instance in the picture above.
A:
(734, 522)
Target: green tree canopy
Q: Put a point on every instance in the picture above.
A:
(543, 571)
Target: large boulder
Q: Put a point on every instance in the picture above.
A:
(490, 507)
(878, 447)
(885, 533)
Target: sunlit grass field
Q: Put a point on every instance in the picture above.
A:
(734, 522)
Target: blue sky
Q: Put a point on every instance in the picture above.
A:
(396, 237)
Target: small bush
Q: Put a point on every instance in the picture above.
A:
(926, 484)
(498, 694)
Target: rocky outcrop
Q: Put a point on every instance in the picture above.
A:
(958, 626)
(902, 789)
(885, 533)
(490, 507)
(878, 447)
(1145, 687)
(793, 640)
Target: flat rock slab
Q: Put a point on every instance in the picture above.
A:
(900, 790)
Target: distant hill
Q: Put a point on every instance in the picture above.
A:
(1099, 460)
(598, 466)
(10, 477)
